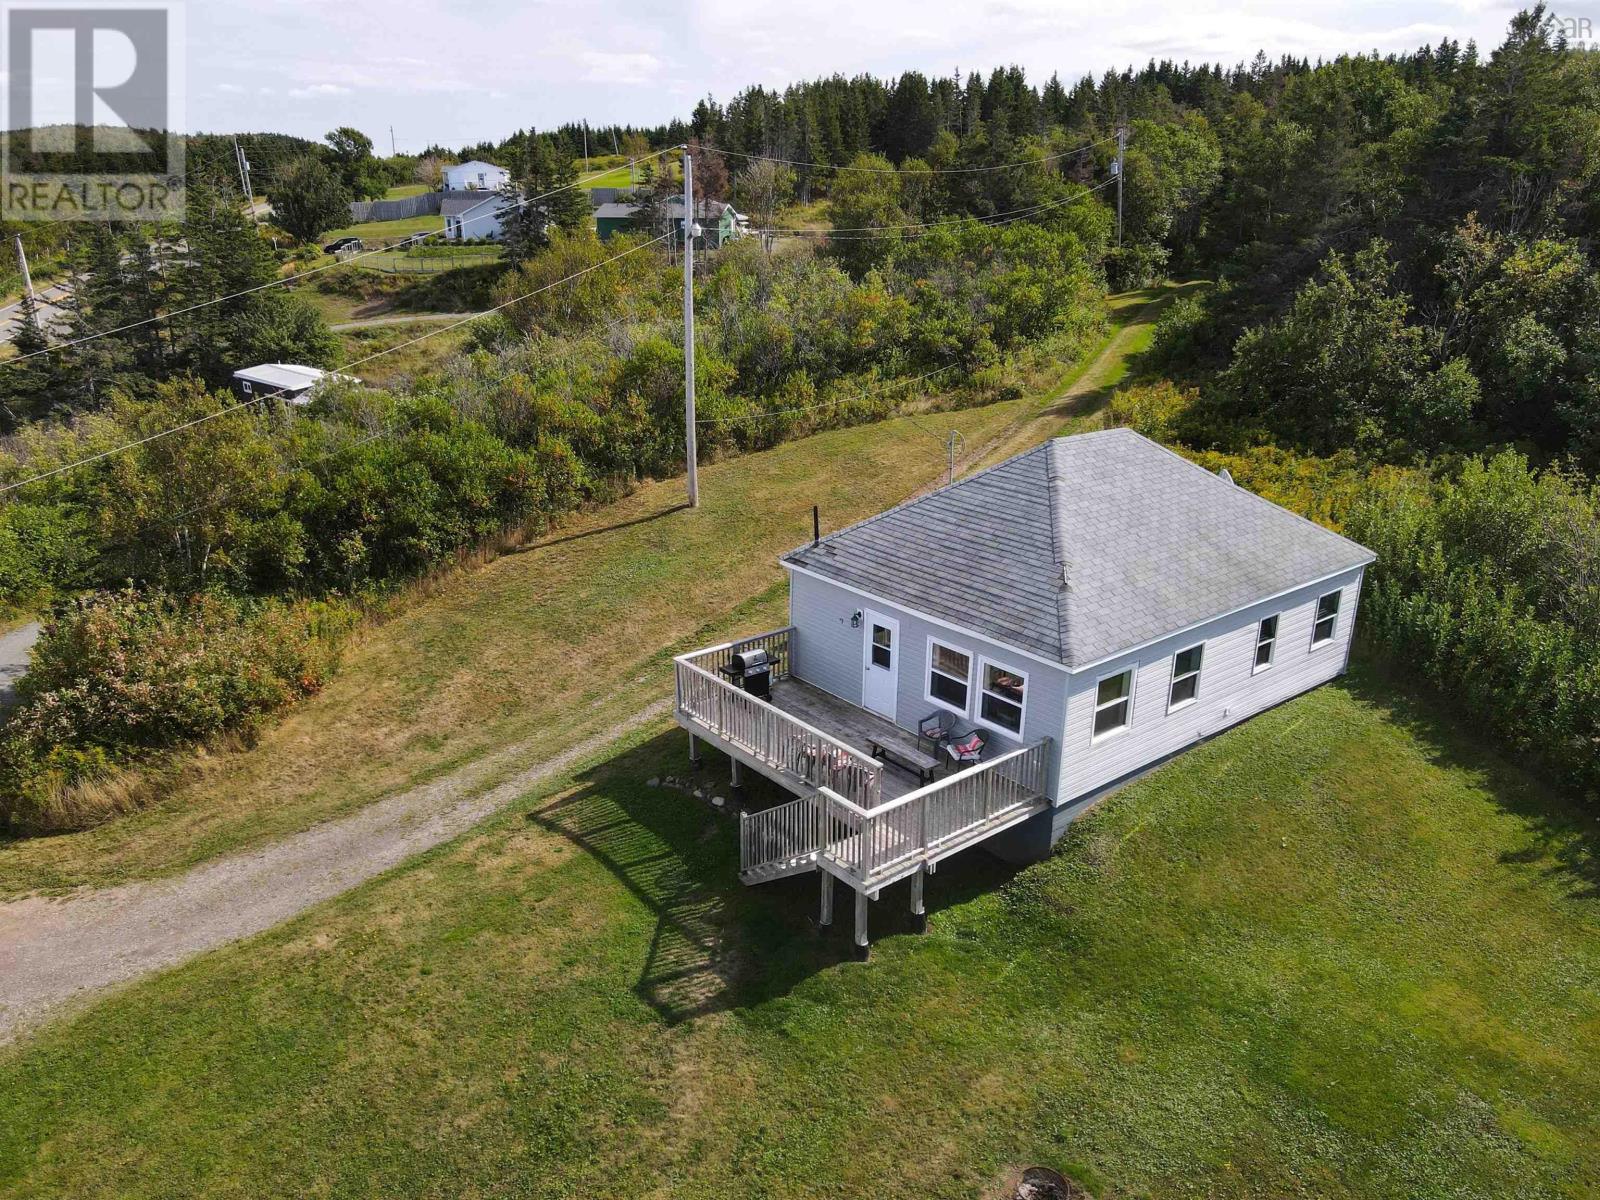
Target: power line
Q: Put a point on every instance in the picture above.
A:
(992, 219)
(237, 408)
(798, 162)
(300, 276)
(784, 412)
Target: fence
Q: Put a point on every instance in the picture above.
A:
(425, 204)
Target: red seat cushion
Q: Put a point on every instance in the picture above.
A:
(968, 745)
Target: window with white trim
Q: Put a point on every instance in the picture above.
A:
(949, 676)
(1327, 619)
(1113, 703)
(1266, 642)
(1002, 695)
(1185, 676)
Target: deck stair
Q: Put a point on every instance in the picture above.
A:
(781, 841)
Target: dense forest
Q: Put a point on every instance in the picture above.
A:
(1399, 337)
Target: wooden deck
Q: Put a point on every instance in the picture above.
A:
(855, 817)
(851, 725)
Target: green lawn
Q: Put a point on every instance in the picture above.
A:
(616, 177)
(1336, 952)
(387, 231)
(401, 191)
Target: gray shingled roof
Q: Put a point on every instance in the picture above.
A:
(1148, 542)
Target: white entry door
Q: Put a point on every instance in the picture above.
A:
(881, 662)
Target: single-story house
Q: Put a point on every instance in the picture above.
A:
(475, 176)
(985, 662)
(474, 214)
(721, 223)
(292, 383)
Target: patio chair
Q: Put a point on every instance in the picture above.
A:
(935, 729)
(966, 749)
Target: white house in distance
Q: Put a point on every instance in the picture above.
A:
(475, 176)
(983, 663)
(292, 383)
(474, 214)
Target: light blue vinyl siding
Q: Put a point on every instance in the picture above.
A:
(1230, 691)
(828, 653)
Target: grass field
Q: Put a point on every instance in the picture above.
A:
(563, 639)
(1337, 952)
(616, 177)
(397, 364)
(387, 231)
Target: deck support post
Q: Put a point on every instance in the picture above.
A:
(919, 913)
(738, 773)
(694, 752)
(862, 901)
(825, 917)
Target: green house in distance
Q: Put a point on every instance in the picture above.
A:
(721, 222)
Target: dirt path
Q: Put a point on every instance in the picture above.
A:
(400, 319)
(1086, 393)
(54, 950)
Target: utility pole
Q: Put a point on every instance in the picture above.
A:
(393, 150)
(244, 177)
(586, 146)
(688, 329)
(1122, 145)
(22, 265)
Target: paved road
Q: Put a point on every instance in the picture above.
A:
(52, 951)
(15, 647)
(50, 300)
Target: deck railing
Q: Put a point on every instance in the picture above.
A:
(780, 835)
(870, 845)
(767, 733)
(775, 642)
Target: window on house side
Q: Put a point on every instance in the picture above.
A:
(949, 673)
(1327, 619)
(1266, 642)
(1113, 703)
(1002, 696)
(1185, 676)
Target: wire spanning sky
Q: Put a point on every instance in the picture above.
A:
(456, 71)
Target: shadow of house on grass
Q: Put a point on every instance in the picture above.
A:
(718, 944)
(1565, 831)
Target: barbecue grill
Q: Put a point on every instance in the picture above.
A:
(751, 670)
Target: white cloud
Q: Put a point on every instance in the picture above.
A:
(319, 89)
(607, 66)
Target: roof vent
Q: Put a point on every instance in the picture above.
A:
(1065, 582)
(1225, 475)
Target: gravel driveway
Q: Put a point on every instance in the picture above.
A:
(52, 950)
(15, 647)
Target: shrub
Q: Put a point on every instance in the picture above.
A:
(1486, 584)
(118, 675)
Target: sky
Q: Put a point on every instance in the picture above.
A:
(454, 72)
